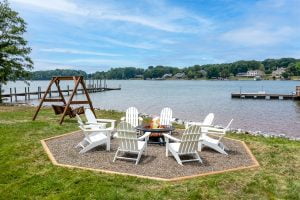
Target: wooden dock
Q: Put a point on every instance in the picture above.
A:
(30, 95)
(262, 95)
(265, 96)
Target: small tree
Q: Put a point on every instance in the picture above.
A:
(14, 59)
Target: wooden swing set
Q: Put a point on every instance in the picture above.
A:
(66, 108)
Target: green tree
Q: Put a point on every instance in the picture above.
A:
(14, 59)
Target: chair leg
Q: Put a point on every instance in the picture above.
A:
(224, 147)
(116, 155)
(139, 157)
(220, 149)
(176, 156)
(200, 146)
(198, 157)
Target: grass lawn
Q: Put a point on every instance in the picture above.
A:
(27, 173)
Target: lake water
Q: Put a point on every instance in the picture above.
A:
(193, 100)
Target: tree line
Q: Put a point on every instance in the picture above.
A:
(208, 71)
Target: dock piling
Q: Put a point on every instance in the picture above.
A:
(10, 94)
(25, 94)
(16, 98)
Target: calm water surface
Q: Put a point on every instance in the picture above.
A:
(193, 100)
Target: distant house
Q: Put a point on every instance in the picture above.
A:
(203, 72)
(166, 76)
(251, 73)
(179, 75)
(278, 72)
(242, 74)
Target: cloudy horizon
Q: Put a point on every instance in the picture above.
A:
(97, 35)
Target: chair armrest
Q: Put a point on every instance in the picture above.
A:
(171, 137)
(96, 123)
(87, 128)
(145, 136)
(112, 121)
(218, 135)
(216, 130)
(187, 124)
(122, 119)
(106, 120)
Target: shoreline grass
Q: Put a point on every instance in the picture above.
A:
(27, 173)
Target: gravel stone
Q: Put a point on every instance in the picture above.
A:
(154, 163)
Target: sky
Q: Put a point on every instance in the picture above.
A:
(96, 35)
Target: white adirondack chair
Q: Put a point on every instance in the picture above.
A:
(92, 120)
(215, 141)
(94, 136)
(132, 117)
(188, 145)
(166, 117)
(208, 120)
(81, 123)
(130, 143)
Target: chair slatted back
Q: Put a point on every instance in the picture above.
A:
(127, 137)
(209, 119)
(190, 139)
(132, 116)
(226, 129)
(80, 122)
(90, 116)
(166, 116)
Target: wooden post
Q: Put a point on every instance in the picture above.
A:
(59, 91)
(100, 85)
(50, 92)
(298, 91)
(68, 88)
(28, 93)
(25, 94)
(70, 100)
(88, 98)
(16, 99)
(0, 93)
(39, 92)
(11, 95)
(44, 97)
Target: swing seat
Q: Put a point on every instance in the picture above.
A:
(58, 109)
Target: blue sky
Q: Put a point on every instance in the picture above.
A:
(96, 35)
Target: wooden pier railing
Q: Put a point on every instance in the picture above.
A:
(243, 95)
(29, 95)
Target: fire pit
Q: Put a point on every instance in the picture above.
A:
(156, 136)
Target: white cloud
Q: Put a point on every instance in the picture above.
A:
(71, 51)
(257, 36)
(164, 21)
(126, 44)
(54, 5)
(97, 62)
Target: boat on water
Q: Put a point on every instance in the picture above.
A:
(257, 78)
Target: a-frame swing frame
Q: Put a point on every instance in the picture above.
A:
(56, 80)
